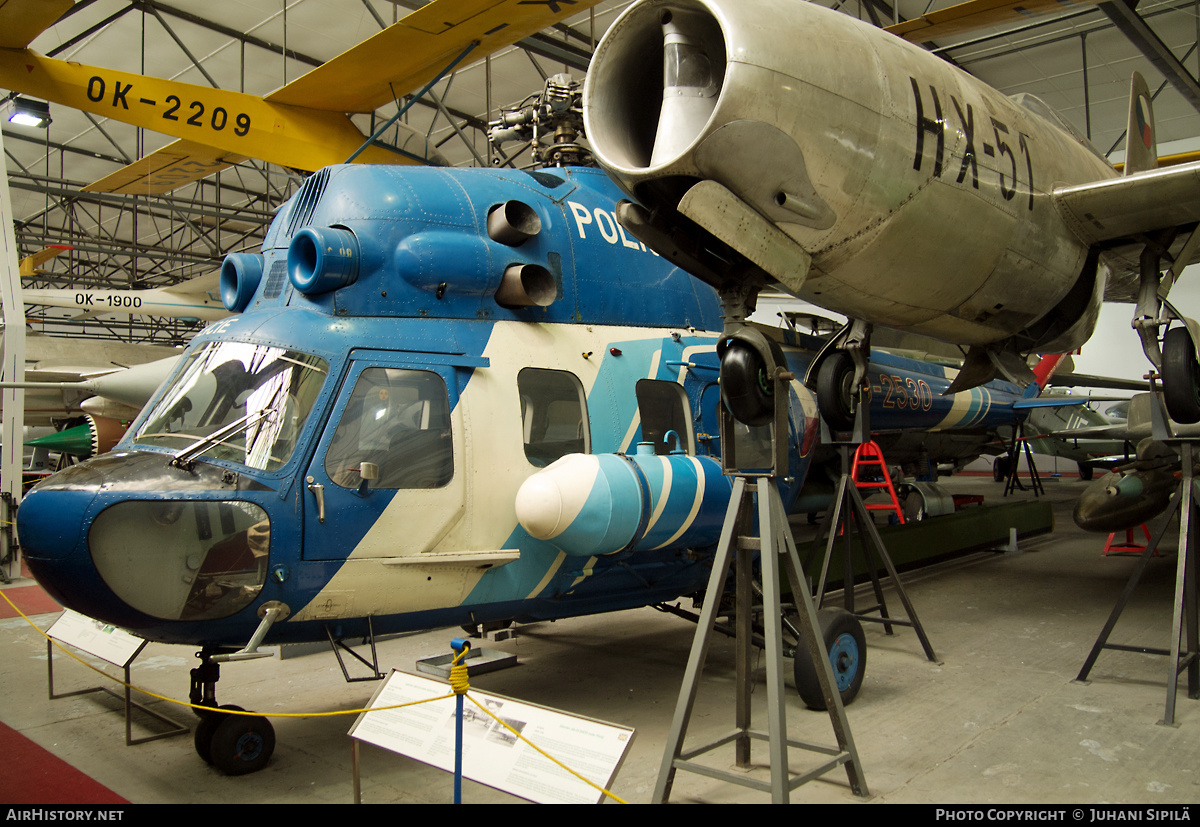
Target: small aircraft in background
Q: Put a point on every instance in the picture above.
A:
(63, 374)
(899, 190)
(302, 125)
(1139, 487)
(197, 299)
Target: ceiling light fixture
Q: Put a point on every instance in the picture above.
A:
(27, 112)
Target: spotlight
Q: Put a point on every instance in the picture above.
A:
(27, 112)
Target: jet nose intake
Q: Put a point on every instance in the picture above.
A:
(689, 89)
(652, 91)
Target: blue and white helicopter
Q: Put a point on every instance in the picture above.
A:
(447, 397)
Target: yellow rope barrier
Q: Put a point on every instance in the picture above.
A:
(201, 707)
(458, 683)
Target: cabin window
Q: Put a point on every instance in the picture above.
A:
(666, 416)
(553, 415)
(399, 421)
(236, 401)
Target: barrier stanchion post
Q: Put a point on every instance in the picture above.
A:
(459, 684)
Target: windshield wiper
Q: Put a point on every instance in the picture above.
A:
(185, 459)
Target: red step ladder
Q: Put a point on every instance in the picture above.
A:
(1130, 546)
(868, 455)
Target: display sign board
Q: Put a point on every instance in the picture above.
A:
(492, 755)
(103, 640)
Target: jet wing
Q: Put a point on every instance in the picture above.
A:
(178, 163)
(1115, 212)
(412, 51)
(1083, 380)
(1117, 209)
(1118, 430)
(23, 20)
(1050, 402)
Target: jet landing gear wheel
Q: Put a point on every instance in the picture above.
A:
(847, 647)
(1181, 376)
(836, 397)
(747, 385)
(1001, 469)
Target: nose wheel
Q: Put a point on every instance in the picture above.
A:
(1181, 376)
(837, 398)
(233, 743)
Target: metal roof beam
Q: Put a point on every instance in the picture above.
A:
(143, 204)
(1130, 24)
(558, 51)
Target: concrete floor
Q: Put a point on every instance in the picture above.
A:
(999, 721)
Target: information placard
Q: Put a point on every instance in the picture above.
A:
(103, 640)
(492, 755)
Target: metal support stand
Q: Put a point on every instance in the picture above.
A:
(176, 727)
(849, 517)
(1021, 445)
(1184, 503)
(339, 646)
(774, 542)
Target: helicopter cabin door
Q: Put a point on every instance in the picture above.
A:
(386, 479)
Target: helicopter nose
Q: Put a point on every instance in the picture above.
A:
(49, 523)
(53, 542)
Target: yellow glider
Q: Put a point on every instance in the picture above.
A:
(302, 125)
(29, 265)
(975, 15)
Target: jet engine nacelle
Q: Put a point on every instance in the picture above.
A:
(858, 171)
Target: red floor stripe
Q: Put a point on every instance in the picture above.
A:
(32, 600)
(34, 776)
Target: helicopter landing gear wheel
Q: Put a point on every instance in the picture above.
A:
(836, 396)
(206, 728)
(847, 647)
(242, 744)
(1181, 376)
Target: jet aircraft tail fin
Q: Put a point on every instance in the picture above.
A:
(1141, 141)
(1042, 372)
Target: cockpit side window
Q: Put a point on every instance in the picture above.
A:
(554, 415)
(664, 409)
(398, 420)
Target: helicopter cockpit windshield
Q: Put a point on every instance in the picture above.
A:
(236, 401)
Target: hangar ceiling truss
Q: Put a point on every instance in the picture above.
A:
(1078, 59)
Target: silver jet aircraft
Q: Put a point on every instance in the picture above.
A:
(776, 142)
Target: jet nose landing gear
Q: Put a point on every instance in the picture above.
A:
(1181, 375)
(1175, 357)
